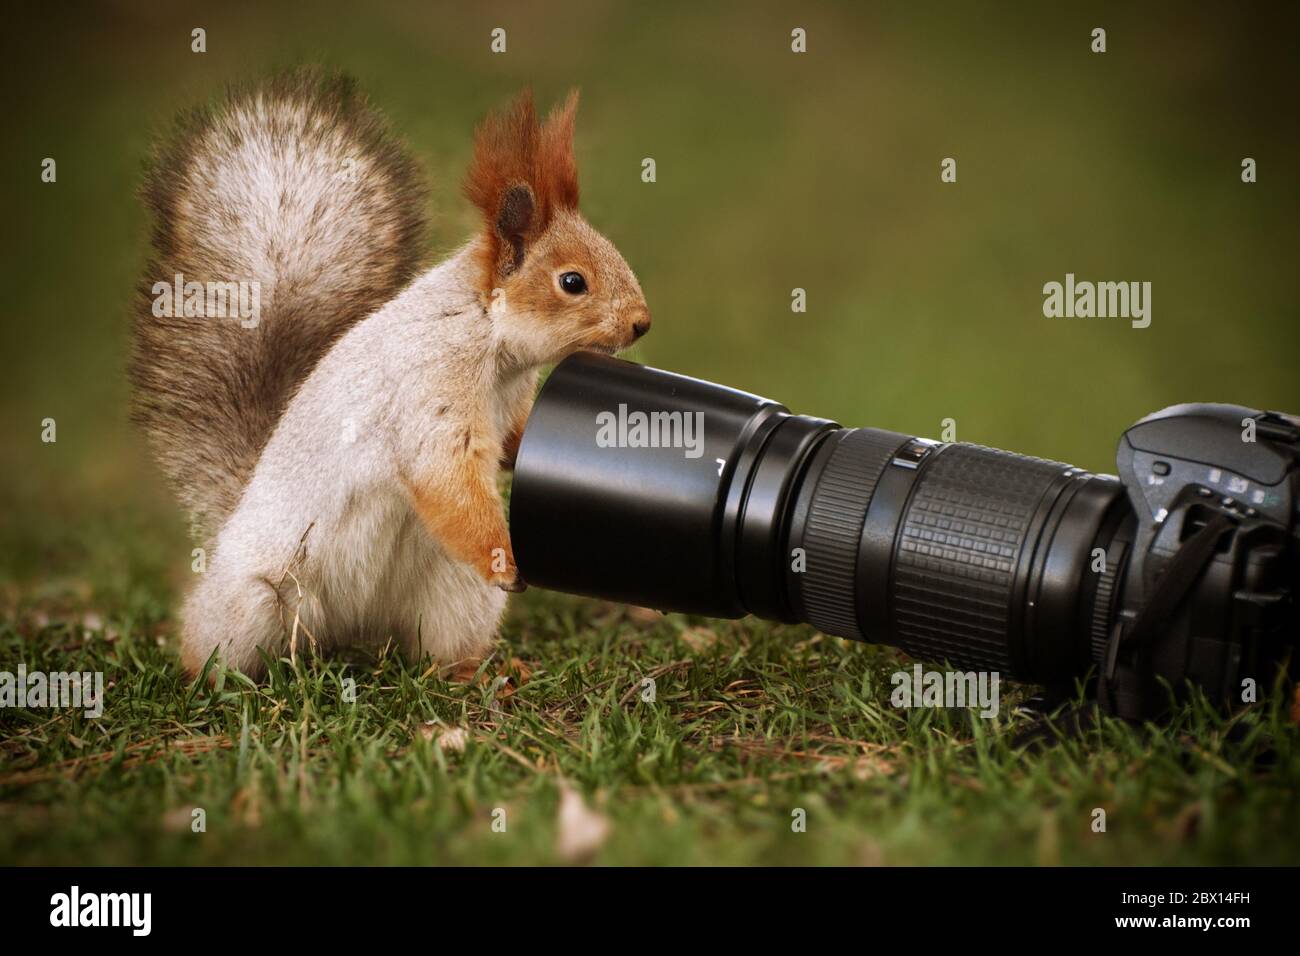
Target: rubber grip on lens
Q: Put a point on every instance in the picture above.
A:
(962, 540)
(834, 530)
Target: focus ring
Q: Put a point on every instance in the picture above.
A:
(835, 516)
(958, 551)
(1104, 600)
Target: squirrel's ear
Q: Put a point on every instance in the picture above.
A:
(514, 220)
(499, 183)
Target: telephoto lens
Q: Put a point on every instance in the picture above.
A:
(651, 488)
(638, 485)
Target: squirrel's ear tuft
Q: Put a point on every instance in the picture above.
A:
(514, 155)
(555, 162)
(505, 150)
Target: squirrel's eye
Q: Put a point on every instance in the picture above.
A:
(573, 283)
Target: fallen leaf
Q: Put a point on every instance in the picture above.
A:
(453, 740)
(462, 672)
(449, 739)
(581, 830)
(516, 674)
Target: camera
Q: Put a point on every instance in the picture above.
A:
(651, 488)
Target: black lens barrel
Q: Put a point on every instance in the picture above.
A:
(622, 521)
(954, 552)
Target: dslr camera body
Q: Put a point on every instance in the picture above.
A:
(1207, 568)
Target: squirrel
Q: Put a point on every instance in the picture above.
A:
(339, 456)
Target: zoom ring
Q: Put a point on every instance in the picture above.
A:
(839, 507)
(958, 551)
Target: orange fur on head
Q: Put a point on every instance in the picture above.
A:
(512, 150)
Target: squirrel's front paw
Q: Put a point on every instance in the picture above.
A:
(509, 582)
(501, 571)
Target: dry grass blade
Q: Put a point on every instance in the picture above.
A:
(146, 751)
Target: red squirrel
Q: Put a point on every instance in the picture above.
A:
(339, 454)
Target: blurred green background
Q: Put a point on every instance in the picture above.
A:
(775, 171)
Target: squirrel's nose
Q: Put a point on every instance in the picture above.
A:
(641, 326)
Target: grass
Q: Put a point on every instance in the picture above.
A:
(775, 171)
(750, 722)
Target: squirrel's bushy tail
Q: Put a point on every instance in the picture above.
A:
(291, 199)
